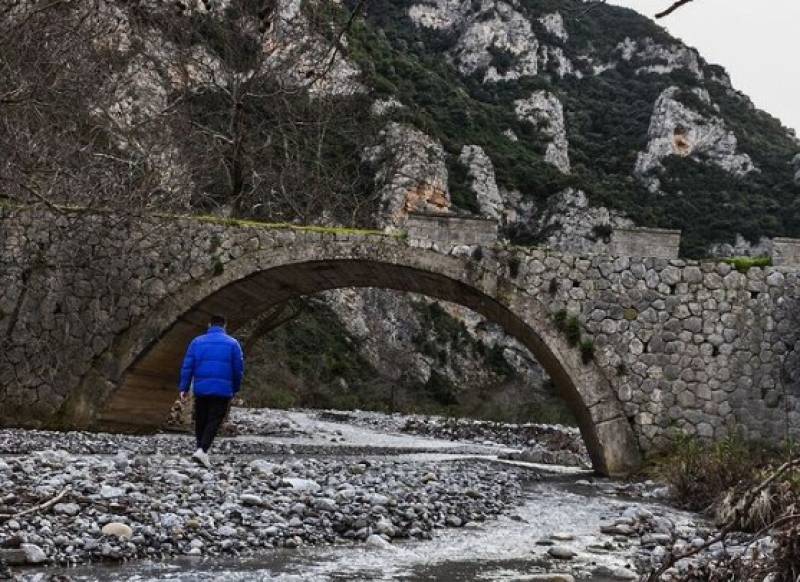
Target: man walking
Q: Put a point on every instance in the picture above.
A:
(213, 366)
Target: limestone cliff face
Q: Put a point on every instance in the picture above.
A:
(413, 173)
(483, 182)
(570, 224)
(677, 130)
(400, 341)
(483, 31)
(544, 111)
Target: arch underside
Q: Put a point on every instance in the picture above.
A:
(147, 388)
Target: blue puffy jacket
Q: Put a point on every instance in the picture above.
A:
(216, 364)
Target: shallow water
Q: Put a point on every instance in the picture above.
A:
(501, 550)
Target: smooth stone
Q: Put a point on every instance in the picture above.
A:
(109, 492)
(67, 508)
(614, 573)
(250, 499)
(562, 537)
(618, 530)
(25, 554)
(325, 504)
(263, 467)
(562, 553)
(117, 529)
(302, 484)
(376, 541)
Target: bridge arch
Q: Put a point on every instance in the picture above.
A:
(141, 379)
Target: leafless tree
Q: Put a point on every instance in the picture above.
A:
(249, 110)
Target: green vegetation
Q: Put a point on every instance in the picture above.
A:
(572, 329)
(570, 326)
(242, 223)
(744, 264)
(587, 350)
(699, 474)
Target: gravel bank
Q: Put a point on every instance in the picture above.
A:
(135, 504)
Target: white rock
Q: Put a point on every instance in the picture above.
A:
(677, 130)
(263, 467)
(543, 110)
(481, 171)
(302, 484)
(413, 171)
(67, 508)
(554, 24)
(378, 542)
(117, 529)
(378, 499)
(562, 537)
(385, 527)
(571, 224)
(170, 520)
(109, 492)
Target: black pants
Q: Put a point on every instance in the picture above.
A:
(209, 412)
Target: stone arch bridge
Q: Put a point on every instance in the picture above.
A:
(96, 310)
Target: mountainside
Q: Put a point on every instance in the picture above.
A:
(560, 123)
(560, 103)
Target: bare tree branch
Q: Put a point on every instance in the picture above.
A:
(673, 8)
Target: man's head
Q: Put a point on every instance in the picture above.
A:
(217, 321)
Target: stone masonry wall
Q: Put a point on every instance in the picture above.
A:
(645, 242)
(456, 229)
(689, 346)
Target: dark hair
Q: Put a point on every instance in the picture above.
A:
(217, 320)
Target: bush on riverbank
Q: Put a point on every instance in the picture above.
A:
(747, 486)
(699, 474)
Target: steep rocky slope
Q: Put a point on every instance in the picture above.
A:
(566, 105)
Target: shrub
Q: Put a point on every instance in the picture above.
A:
(699, 474)
(744, 264)
(587, 350)
(573, 330)
(560, 318)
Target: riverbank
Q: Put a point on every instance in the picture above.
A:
(300, 492)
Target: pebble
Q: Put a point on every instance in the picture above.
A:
(377, 541)
(607, 572)
(67, 508)
(250, 499)
(24, 555)
(109, 492)
(561, 552)
(618, 530)
(562, 537)
(117, 529)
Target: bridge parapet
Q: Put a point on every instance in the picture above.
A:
(645, 242)
(785, 251)
(452, 229)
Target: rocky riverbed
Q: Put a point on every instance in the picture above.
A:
(322, 499)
